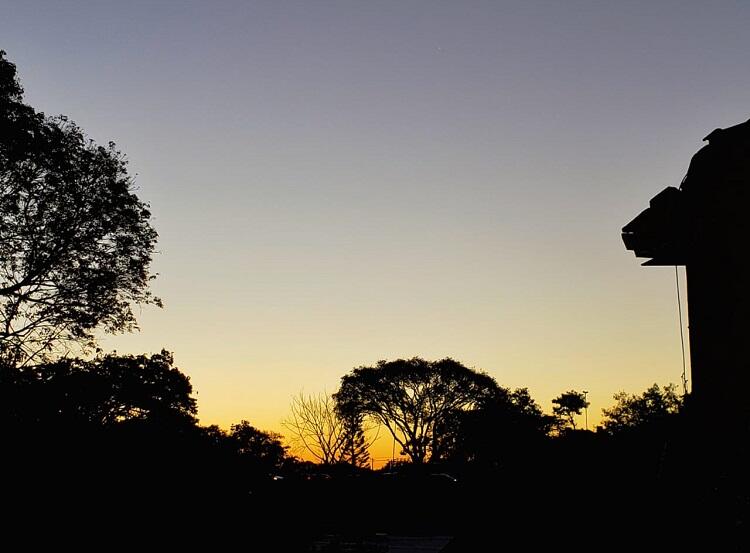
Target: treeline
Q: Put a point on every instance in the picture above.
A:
(124, 427)
(120, 432)
(443, 412)
(439, 412)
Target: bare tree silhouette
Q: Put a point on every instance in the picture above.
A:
(316, 427)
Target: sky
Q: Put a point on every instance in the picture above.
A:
(336, 183)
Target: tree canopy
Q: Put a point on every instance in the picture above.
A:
(75, 241)
(567, 406)
(509, 424)
(260, 451)
(412, 397)
(102, 392)
(653, 407)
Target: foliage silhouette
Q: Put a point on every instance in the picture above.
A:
(103, 392)
(357, 442)
(262, 451)
(75, 241)
(507, 427)
(413, 397)
(656, 406)
(119, 432)
(567, 406)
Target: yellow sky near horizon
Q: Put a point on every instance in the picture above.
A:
(260, 388)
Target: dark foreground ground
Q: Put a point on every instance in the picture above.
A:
(379, 513)
(575, 496)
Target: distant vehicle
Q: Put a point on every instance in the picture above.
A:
(318, 476)
(444, 477)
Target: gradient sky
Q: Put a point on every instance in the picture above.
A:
(340, 182)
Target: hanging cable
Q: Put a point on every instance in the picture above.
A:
(682, 334)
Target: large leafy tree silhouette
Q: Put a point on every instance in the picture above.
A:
(414, 397)
(75, 241)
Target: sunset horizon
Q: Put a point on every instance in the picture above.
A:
(504, 237)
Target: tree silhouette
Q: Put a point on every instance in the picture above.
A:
(655, 406)
(567, 406)
(356, 450)
(508, 424)
(413, 397)
(261, 451)
(319, 429)
(102, 392)
(75, 241)
(316, 428)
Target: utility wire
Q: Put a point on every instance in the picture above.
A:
(682, 334)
